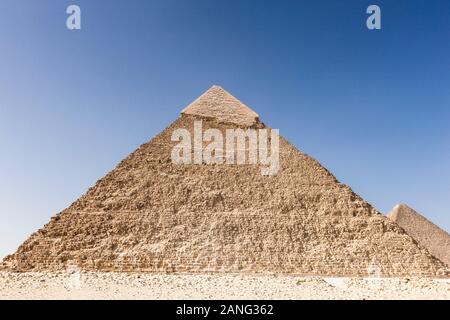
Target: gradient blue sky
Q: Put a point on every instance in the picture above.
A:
(371, 106)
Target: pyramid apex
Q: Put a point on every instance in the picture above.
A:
(398, 210)
(424, 231)
(219, 104)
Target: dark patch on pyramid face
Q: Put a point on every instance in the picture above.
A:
(151, 215)
(426, 233)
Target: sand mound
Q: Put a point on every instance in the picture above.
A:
(429, 235)
(151, 215)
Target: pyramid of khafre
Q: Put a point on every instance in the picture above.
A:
(429, 235)
(152, 215)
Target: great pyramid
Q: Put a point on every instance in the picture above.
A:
(429, 235)
(151, 215)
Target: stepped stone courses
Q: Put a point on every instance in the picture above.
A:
(150, 215)
(429, 235)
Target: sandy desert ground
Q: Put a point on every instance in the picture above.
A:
(84, 285)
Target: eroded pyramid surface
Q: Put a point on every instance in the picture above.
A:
(151, 215)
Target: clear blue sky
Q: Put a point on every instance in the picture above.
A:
(372, 106)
